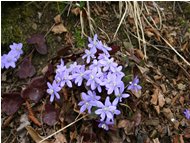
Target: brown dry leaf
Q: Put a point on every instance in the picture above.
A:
(181, 100)
(154, 99)
(157, 108)
(139, 53)
(168, 113)
(76, 11)
(60, 138)
(58, 29)
(161, 99)
(58, 19)
(149, 34)
(123, 123)
(156, 140)
(137, 93)
(187, 133)
(143, 70)
(35, 136)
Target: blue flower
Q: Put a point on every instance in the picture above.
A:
(103, 47)
(88, 101)
(134, 85)
(79, 75)
(95, 65)
(65, 78)
(8, 60)
(17, 49)
(93, 78)
(53, 90)
(187, 114)
(88, 55)
(108, 64)
(93, 43)
(121, 95)
(113, 83)
(106, 110)
(118, 72)
(105, 125)
(61, 67)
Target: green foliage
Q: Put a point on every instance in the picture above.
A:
(80, 41)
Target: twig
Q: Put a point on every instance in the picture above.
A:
(121, 21)
(175, 51)
(63, 128)
(7, 121)
(31, 115)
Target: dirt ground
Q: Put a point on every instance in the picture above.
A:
(155, 115)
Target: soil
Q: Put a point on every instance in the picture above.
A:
(153, 116)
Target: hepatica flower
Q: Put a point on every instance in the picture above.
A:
(17, 48)
(121, 95)
(93, 78)
(53, 90)
(134, 85)
(93, 42)
(101, 72)
(106, 110)
(10, 59)
(79, 75)
(187, 114)
(88, 55)
(88, 100)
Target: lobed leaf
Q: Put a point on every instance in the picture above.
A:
(11, 103)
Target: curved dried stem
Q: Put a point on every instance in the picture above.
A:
(63, 128)
(121, 21)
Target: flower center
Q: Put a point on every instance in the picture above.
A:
(91, 76)
(106, 108)
(9, 59)
(51, 91)
(103, 126)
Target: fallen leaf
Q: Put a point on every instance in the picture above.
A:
(34, 94)
(58, 29)
(168, 113)
(35, 136)
(154, 99)
(58, 19)
(76, 11)
(50, 117)
(60, 138)
(161, 99)
(123, 123)
(187, 133)
(40, 43)
(26, 69)
(35, 90)
(11, 103)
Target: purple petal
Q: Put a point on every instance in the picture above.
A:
(99, 111)
(52, 98)
(83, 108)
(107, 101)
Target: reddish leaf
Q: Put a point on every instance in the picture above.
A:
(40, 42)
(26, 69)
(11, 103)
(34, 94)
(36, 89)
(39, 82)
(115, 48)
(50, 117)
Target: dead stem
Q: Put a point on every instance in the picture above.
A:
(63, 128)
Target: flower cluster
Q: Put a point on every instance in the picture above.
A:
(9, 60)
(101, 73)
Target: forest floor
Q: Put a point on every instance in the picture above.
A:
(149, 39)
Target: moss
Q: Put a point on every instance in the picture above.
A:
(80, 41)
(15, 24)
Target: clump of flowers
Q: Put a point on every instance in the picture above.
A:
(100, 73)
(10, 59)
